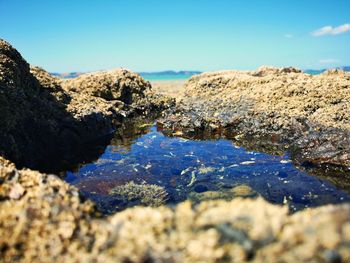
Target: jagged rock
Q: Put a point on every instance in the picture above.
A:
(336, 71)
(29, 114)
(119, 84)
(44, 120)
(265, 70)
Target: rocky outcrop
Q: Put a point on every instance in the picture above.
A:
(119, 85)
(283, 105)
(45, 120)
(43, 219)
(30, 114)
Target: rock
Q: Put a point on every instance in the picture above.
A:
(29, 113)
(334, 72)
(45, 120)
(330, 146)
(16, 191)
(51, 223)
(120, 84)
(265, 70)
(43, 219)
(145, 194)
(269, 108)
(242, 191)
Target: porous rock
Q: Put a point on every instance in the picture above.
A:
(282, 104)
(49, 222)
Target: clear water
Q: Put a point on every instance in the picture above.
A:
(197, 170)
(155, 77)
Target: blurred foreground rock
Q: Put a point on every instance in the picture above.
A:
(43, 219)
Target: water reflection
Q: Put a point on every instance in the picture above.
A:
(196, 170)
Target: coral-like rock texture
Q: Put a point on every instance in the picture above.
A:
(43, 219)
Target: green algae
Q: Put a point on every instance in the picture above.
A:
(146, 194)
(242, 190)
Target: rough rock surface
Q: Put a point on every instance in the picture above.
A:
(285, 105)
(44, 119)
(42, 219)
(120, 85)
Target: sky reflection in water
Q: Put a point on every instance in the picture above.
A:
(186, 167)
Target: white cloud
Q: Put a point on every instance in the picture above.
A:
(328, 61)
(288, 36)
(341, 29)
(329, 30)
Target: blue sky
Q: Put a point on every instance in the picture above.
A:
(153, 35)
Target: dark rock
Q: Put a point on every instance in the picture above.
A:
(45, 120)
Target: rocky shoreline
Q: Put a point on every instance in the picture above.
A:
(44, 119)
(309, 115)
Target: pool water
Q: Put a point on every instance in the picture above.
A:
(196, 170)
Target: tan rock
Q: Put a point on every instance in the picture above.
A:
(50, 223)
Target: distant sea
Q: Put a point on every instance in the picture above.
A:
(168, 75)
(179, 75)
(319, 71)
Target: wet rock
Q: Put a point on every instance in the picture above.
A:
(145, 194)
(225, 194)
(243, 191)
(329, 146)
(284, 107)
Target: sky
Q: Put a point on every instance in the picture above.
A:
(155, 35)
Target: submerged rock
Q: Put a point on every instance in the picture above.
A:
(242, 191)
(145, 194)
